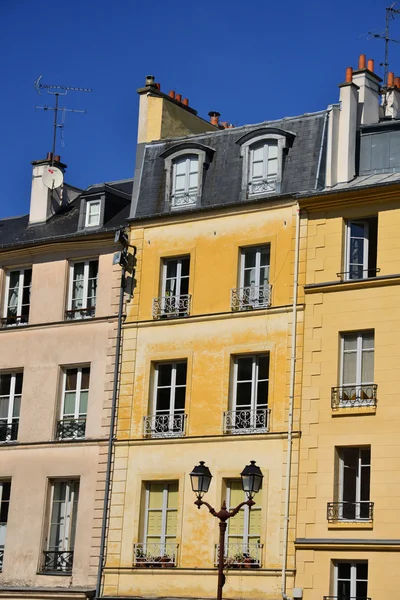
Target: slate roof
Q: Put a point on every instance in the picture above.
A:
(15, 231)
(223, 179)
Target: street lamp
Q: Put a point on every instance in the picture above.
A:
(200, 479)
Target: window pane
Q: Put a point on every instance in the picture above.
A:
(181, 369)
(249, 258)
(164, 374)
(257, 170)
(184, 286)
(185, 264)
(18, 383)
(85, 378)
(171, 268)
(244, 369)
(367, 367)
(349, 368)
(243, 394)
(71, 379)
(272, 151)
(362, 570)
(163, 399)
(273, 166)
(350, 342)
(5, 383)
(180, 393)
(180, 166)
(344, 570)
(258, 153)
(83, 403)
(180, 183)
(171, 523)
(263, 367)
(255, 521)
(262, 393)
(265, 255)
(236, 493)
(16, 407)
(4, 408)
(93, 268)
(69, 403)
(156, 495)
(193, 179)
(154, 523)
(357, 230)
(368, 340)
(172, 495)
(249, 278)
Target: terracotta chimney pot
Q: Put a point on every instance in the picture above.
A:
(362, 61)
(172, 94)
(178, 97)
(371, 65)
(349, 74)
(397, 82)
(390, 82)
(214, 117)
(185, 101)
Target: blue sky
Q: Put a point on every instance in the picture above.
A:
(251, 61)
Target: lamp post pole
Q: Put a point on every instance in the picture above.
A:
(223, 515)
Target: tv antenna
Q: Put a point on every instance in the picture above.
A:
(57, 91)
(391, 13)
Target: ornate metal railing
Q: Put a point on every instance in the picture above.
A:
(350, 511)
(8, 431)
(352, 396)
(345, 597)
(80, 313)
(57, 560)
(155, 555)
(164, 426)
(246, 421)
(248, 298)
(264, 186)
(352, 275)
(13, 320)
(184, 199)
(171, 306)
(241, 554)
(1, 557)
(71, 428)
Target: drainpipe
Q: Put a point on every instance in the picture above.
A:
(291, 408)
(111, 436)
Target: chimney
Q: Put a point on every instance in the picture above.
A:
(346, 132)
(369, 92)
(214, 117)
(44, 201)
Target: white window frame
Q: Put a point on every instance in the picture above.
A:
(172, 410)
(366, 248)
(266, 178)
(254, 381)
(85, 285)
(11, 396)
(191, 194)
(20, 294)
(353, 577)
(247, 538)
(178, 278)
(90, 204)
(69, 516)
(258, 251)
(359, 351)
(164, 538)
(359, 478)
(78, 391)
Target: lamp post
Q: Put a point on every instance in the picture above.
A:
(200, 479)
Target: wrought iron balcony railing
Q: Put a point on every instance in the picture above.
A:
(240, 554)
(71, 428)
(164, 426)
(171, 306)
(242, 421)
(350, 511)
(56, 561)
(8, 431)
(345, 597)
(14, 320)
(263, 186)
(184, 199)
(1, 557)
(76, 314)
(155, 555)
(353, 396)
(252, 297)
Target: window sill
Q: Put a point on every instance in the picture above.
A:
(354, 284)
(351, 525)
(55, 573)
(353, 411)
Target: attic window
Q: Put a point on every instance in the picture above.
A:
(263, 167)
(93, 213)
(185, 181)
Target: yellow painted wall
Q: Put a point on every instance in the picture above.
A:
(207, 339)
(330, 310)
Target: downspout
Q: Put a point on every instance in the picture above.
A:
(111, 436)
(291, 407)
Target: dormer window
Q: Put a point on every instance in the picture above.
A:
(185, 181)
(185, 165)
(263, 151)
(93, 213)
(263, 167)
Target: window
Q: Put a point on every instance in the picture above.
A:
(185, 181)
(10, 404)
(82, 289)
(18, 297)
(59, 552)
(175, 299)
(351, 580)
(361, 249)
(168, 418)
(357, 371)
(254, 289)
(244, 530)
(263, 168)
(250, 413)
(354, 479)
(93, 213)
(5, 490)
(74, 403)
(160, 524)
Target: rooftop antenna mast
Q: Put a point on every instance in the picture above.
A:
(57, 91)
(391, 13)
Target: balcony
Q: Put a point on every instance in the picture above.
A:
(164, 426)
(354, 396)
(77, 314)
(71, 429)
(168, 307)
(241, 555)
(243, 421)
(155, 556)
(57, 561)
(250, 298)
(350, 511)
(9, 431)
